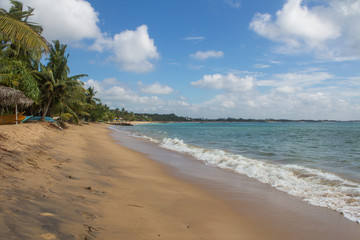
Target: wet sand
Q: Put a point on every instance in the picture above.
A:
(81, 184)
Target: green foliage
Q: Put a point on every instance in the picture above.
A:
(160, 117)
(60, 92)
(19, 58)
(19, 75)
(66, 117)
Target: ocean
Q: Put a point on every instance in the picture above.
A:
(317, 162)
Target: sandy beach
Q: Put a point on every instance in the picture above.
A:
(79, 183)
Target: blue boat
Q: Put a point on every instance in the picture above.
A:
(38, 118)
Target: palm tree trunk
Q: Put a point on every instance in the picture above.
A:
(16, 116)
(46, 109)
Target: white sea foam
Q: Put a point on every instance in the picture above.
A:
(314, 186)
(136, 135)
(144, 137)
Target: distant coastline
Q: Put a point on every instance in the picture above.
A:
(166, 118)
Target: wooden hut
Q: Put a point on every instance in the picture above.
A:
(11, 97)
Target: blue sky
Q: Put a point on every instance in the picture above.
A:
(214, 58)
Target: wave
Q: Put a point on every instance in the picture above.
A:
(314, 186)
(135, 134)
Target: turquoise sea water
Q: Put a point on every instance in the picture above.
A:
(318, 162)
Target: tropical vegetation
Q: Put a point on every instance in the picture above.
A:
(30, 64)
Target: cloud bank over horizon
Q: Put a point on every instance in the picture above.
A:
(308, 93)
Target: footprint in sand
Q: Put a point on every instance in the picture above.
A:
(88, 215)
(48, 236)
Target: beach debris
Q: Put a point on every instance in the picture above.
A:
(56, 125)
(47, 214)
(91, 229)
(121, 123)
(89, 188)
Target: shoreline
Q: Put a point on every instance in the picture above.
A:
(80, 183)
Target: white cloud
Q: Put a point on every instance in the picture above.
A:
(287, 89)
(126, 96)
(228, 104)
(119, 96)
(181, 103)
(134, 51)
(296, 25)
(109, 81)
(200, 55)
(286, 102)
(329, 30)
(346, 7)
(297, 79)
(194, 38)
(307, 94)
(103, 42)
(261, 66)
(5, 4)
(233, 3)
(229, 82)
(95, 84)
(156, 88)
(69, 21)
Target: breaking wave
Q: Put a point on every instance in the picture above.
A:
(314, 186)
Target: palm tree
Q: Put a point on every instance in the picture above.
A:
(15, 27)
(73, 99)
(49, 86)
(59, 91)
(90, 96)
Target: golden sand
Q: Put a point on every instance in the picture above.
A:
(80, 184)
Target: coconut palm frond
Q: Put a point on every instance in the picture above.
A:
(22, 33)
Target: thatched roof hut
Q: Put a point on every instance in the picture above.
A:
(11, 96)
